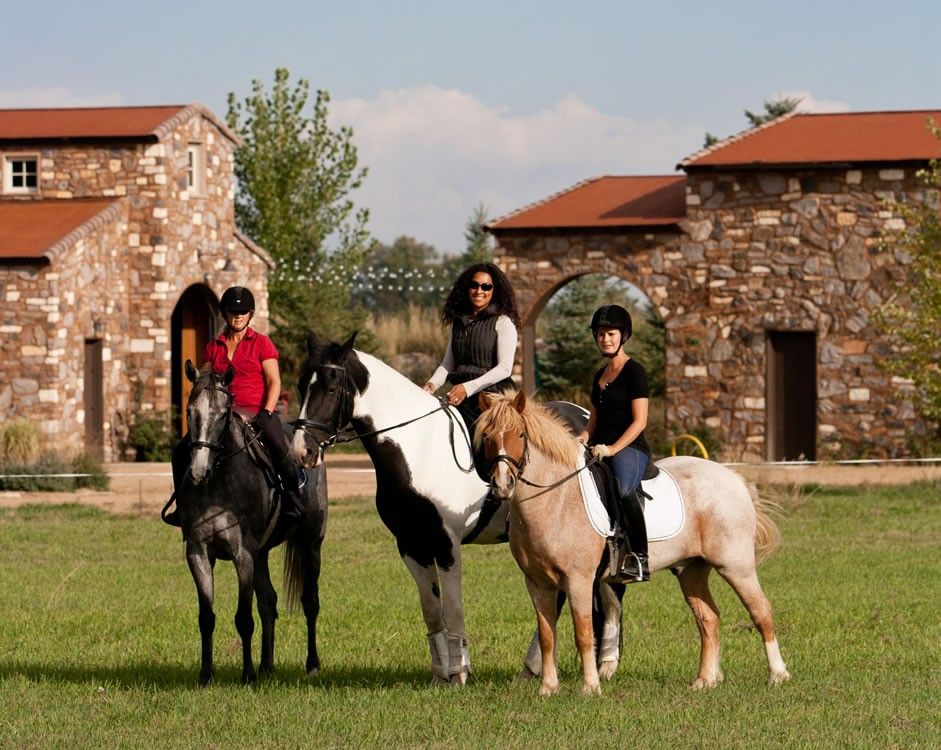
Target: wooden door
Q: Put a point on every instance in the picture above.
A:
(791, 399)
(94, 401)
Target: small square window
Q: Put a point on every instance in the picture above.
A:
(20, 173)
(195, 169)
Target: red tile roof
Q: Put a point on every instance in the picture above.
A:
(100, 123)
(844, 138)
(651, 201)
(33, 231)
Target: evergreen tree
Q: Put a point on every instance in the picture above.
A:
(773, 110)
(295, 177)
(570, 358)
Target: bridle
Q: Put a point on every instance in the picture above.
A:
(217, 447)
(520, 466)
(339, 420)
(228, 415)
(331, 430)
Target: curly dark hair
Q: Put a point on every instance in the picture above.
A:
(503, 301)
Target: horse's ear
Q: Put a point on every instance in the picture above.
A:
(190, 370)
(347, 346)
(486, 400)
(312, 343)
(519, 403)
(229, 374)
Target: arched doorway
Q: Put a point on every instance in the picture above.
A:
(559, 355)
(193, 325)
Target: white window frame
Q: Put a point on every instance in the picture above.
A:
(8, 174)
(196, 169)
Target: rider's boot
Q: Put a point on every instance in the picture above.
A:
(171, 517)
(179, 462)
(628, 548)
(293, 480)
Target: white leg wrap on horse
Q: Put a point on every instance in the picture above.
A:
(776, 664)
(610, 643)
(460, 655)
(533, 660)
(438, 643)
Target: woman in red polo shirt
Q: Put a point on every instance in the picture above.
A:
(255, 388)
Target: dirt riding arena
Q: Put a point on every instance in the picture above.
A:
(142, 489)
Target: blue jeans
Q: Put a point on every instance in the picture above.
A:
(628, 466)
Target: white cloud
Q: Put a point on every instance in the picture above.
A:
(434, 153)
(54, 97)
(811, 104)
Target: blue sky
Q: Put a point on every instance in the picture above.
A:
(501, 102)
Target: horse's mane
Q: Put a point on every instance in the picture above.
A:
(332, 353)
(546, 430)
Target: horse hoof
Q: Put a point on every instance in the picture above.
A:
(607, 669)
(249, 678)
(313, 671)
(458, 680)
(702, 683)
(779, 678)
(591, 689)
(205, 679)
(548, 689)
(526, 674)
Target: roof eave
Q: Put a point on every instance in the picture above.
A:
(670, 226)
(758, 166)
(32, 261)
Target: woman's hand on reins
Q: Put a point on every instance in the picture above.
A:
(456, 395)
(601, 451)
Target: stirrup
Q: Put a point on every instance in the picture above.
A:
(634, 569)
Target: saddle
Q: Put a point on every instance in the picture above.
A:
(258, 452)
(610, 490)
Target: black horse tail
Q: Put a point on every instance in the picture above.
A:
(293, 577)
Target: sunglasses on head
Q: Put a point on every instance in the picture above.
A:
(485, 287)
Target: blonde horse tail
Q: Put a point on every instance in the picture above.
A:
(767, 534)
(293, 577)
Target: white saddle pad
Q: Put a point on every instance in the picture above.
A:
(664, 515)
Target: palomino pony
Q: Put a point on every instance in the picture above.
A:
(427, 493)
(228, 512)
(558, 549)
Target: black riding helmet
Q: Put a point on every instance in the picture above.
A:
(612, 316)
(237, 299)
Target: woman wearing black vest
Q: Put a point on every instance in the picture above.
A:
(481, 310)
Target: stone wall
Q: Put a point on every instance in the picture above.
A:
(122, 281)
(48, 313)
(795, 251)
(798, 251)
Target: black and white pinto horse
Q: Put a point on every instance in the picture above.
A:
(427, 493)
(228, 511)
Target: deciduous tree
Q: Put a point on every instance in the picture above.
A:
(912, 320)
(296, 175)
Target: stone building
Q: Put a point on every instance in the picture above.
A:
(117, 236)
(766, 261)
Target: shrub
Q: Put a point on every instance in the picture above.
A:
(19, 442)
(152, 436)
(42, 473)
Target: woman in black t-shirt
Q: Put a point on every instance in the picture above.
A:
(615, 429)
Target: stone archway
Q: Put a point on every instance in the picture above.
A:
(194, 323)
(540, 265)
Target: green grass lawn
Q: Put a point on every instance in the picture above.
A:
(99, 644)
